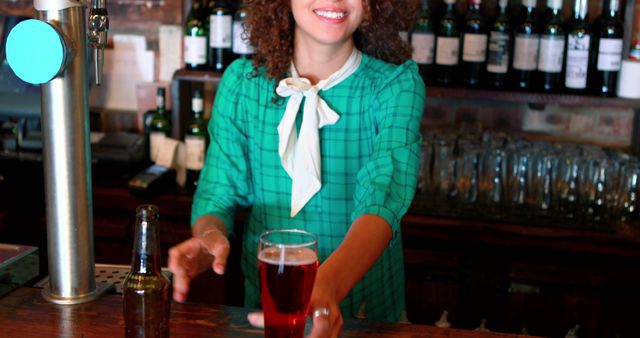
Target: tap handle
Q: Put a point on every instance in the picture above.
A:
(97, 36)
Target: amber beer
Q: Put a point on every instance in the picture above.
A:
(146, 291)
(287, 273)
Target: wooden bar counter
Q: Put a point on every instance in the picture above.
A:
(24, 313)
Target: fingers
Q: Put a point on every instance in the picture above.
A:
(218, 245)
(256, 319)
(193, 256)
(179, 262)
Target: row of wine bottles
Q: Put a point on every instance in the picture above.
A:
(215, 35)
(530, 53)
(158, 126)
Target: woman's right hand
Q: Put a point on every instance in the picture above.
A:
(188, 259)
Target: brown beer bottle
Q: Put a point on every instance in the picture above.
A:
(146, 291)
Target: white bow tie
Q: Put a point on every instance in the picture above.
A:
(300, 157)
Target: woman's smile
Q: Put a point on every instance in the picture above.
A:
(326, 22)
(331, 15)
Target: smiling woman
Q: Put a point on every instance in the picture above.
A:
(321, 129)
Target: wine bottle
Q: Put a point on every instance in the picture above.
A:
(447, 45)
(474, 45)
(423, 42)
(552, 43)
(607, 46)
(220, 27)
(578, 44)
(195, 38)
(146, 291)
(525, 51)
(241, 45)
(160, 125)
(499, 48)
(195, 142)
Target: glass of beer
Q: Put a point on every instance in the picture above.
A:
(288, 262)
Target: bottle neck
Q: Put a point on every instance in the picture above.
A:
(450, 7)
(531, 11)
(146, 249)
(580, 16)
(160, 106)
(424, 5)
(554, 11)
(612, 8)
(529, 6)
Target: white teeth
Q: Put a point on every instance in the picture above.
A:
(331, 15)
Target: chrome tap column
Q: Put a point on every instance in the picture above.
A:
(66, 147)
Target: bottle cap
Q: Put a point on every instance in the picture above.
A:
(554, 4)
(581, 7)
(614, 5)
(147, 211)
(634, 52)
(529, 3)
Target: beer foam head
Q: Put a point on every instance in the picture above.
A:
(294, 256)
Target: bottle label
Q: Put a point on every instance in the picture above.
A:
(220, 31)
(195, 152)
(195, 50)
(423, 45)
(474, 47)
(551, 53)
(160, 101)
(525, 55)
(240, 44)
(498, 61)
(577, 61)
(610, 54)
(155, 143)
(447, 50)
(197, 104)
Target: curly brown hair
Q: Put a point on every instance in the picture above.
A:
(270, 25)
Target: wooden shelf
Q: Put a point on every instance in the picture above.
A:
(530, 97)
(470, 93)
(197, 75)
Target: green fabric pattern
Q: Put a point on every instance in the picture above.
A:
(370, 162)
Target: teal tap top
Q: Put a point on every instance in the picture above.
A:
(35, 51)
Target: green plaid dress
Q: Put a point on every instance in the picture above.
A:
(370, 161)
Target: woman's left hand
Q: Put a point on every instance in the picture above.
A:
(324, 310)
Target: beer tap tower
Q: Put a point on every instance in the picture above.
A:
(51, 51)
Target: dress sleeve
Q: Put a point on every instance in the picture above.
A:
(225, 182)
(387, 182)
